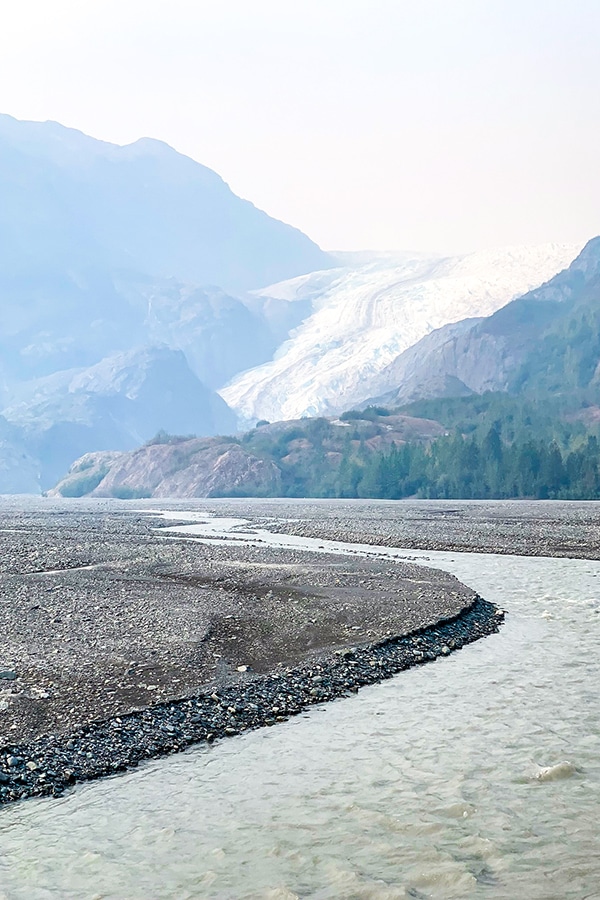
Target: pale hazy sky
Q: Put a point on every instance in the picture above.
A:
(380, 124)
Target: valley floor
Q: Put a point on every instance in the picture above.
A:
(117, 633)
(107, 614)
(558, 528)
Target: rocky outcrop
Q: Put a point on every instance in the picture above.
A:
(269, 461)
(223, 471)
(209, 467)
(488, 354)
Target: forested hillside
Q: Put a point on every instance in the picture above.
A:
(486, 447)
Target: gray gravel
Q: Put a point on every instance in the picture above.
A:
(51, 763)
(121, 642)
(104, 614)
(522, 527)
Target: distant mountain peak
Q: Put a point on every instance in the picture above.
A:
(70, 198)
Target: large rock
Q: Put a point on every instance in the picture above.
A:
(209, 467)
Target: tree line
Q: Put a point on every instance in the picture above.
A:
(457, 467)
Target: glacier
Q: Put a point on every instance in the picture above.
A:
(367, 312)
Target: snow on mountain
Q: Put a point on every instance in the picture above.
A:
(364, 315)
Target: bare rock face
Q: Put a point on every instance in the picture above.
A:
(209, 467)
(219, 470)
(487, 354)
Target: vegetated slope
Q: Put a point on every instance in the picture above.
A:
(499, 445)
(491, 446)
(308, 457)
(547, 340)
(70, 202)
(364, 317)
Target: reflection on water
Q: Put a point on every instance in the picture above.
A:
(474, 776)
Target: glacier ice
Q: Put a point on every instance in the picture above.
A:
(364, 315)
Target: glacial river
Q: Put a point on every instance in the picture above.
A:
(474, 776)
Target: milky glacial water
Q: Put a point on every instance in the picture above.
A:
(474, 776)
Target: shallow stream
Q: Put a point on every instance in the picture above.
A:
(474, 776)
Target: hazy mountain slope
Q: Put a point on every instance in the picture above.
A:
(414, 374)
(220, 334)
(49, 324)
(364, 318)
(114, 405)
(547, 340)
(53, 320)
(70, 201)
(104, 249)
(19, 471)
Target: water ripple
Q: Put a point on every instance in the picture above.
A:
(474, 776)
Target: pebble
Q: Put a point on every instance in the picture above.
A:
(56, 762)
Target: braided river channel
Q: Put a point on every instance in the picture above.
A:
(477, 776)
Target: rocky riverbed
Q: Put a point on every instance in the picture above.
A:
(121, 642)
(527, 528)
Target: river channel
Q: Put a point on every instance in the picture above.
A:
(473, 776)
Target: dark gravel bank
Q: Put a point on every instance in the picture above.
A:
(51, 763)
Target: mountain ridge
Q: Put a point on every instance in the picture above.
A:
(130, 207)
(113, 257)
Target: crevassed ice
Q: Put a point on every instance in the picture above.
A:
(365, 316)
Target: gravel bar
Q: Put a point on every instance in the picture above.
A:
(121, 642)
(50, 764)
(555, 528)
